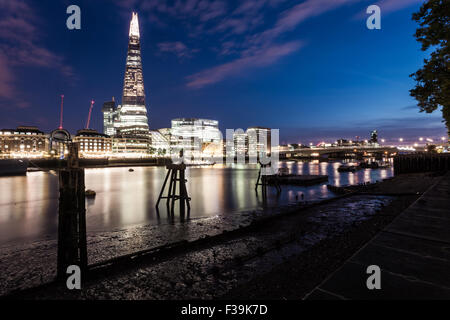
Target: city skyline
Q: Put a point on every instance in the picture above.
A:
(311, 82)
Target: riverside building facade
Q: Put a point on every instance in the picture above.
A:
(93, 144)
(23, 142)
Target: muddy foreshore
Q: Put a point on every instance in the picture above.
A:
(280, 256)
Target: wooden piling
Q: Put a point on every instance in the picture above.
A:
(263, 182)
(72, 247)
(175, 174)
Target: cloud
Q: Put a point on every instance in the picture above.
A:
(245, 17)
(389, 6)
(178, 48)
(229, 47)
(261, 49)
(234, 25)
(213, 10)
(411, 107)
(203, 10)
(265, 57)
(6, 79)
(20, 47)
(291, 18)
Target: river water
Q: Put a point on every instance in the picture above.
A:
(29, 204)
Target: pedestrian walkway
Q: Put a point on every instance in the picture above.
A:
(413, 253)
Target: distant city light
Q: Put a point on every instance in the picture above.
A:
(406, 148)
(383, 141)
(421, 139)
(401, 139)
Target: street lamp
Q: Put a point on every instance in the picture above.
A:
(420, 139)
(401, 139)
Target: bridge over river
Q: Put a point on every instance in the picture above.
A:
(339, 152)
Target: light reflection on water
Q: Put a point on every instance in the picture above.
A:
(28, 205)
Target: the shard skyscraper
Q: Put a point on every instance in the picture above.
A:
(133, 120)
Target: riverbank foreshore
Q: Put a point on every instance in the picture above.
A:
(284, 258)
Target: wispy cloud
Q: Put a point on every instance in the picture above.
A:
(201, 10)
(291, 18)
(6, 79)
(248, 15)
(261, 48)
(389, 6)
(178, 48)
(266, 57)
(411, 107)
(20, 47)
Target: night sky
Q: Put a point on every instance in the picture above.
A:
(310, 68)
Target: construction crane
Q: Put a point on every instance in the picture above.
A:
(89, 116)
(61, 113)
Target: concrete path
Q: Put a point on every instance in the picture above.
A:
(413, 253)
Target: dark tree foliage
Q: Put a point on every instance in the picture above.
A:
(433, 79)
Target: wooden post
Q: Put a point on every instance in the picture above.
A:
(174, 189)
(257, 180)
(183, 190)
(72, 247)
(261, 181)
(163, 187)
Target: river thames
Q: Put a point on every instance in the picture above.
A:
(29, 204)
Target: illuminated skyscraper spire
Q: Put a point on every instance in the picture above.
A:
(133, 113)
(134, 25)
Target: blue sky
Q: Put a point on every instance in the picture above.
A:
(310, 68)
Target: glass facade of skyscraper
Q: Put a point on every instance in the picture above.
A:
(195, 136)
(110, 117)
(259, 141)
